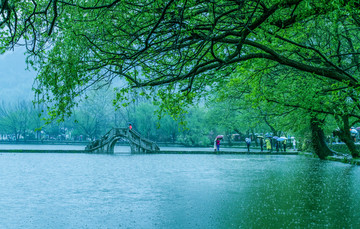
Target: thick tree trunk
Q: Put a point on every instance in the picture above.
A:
(352, 148)
(318, 139)
(345, 136)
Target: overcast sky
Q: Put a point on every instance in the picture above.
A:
(15, 81)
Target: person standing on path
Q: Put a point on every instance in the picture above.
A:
(215, 148)
(261, 143)
(248, 142)
(268, 144)
(284, 145)
(218, 144)
(294, 144)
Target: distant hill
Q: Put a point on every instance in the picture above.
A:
(15, 81)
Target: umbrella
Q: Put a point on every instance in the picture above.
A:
(220, 136)
(268, 136)
(280, 139)
(275, 137)
(358, 129)
(283, 137)
(353, 131)
(260, 137)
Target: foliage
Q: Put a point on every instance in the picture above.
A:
(291, 60)
(180, 46)
(197, 128)
(17, 119)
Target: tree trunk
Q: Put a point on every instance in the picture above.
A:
(271, 126)
(254, 137)
(345, 136)
(352, 148)
(229, 139)
(318, 139)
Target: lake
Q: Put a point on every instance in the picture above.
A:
(49, 190)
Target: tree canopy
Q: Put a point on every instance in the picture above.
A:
(182, 46)
(301, 54)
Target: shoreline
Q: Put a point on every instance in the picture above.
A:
(344, 160)
(158, 152)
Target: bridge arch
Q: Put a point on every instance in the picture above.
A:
(107, 143)
(113, 143)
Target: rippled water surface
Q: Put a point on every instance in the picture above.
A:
(176, 191)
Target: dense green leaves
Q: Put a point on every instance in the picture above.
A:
(292, 56)
(186, 45)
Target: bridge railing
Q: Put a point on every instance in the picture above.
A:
(144, 143)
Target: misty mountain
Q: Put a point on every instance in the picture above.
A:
(15, 81)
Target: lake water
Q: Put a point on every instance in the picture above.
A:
(176, 191)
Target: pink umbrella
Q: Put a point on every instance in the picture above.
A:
(220, 136)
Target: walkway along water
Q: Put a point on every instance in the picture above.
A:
(137, 144)
(166, 149)
(123, 149)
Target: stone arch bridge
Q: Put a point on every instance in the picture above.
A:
(107, 143)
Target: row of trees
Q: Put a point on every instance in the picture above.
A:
(96, 115)
(227, 113)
